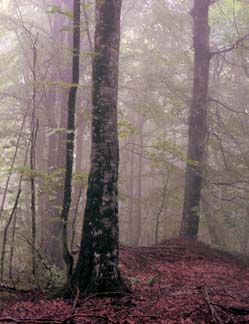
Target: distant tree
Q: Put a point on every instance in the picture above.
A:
(197, 122)
(56, 103)
(97, 267)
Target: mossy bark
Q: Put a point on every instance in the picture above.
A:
(97, 268)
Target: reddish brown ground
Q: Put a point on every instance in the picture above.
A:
(171, 283)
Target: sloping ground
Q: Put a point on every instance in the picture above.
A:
(171, 283)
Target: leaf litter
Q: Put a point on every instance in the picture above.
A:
(171, 283)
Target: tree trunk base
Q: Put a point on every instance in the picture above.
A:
(117, 288)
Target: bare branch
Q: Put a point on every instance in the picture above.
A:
(227, 107)
(235, 45)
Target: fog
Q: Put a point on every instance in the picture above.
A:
(156, 74)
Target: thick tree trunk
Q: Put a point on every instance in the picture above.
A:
(197, 122)
(97, 269)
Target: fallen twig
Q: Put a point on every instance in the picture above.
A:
(28, 320)
(65, 321)
(236, 310)
(211, 307)
(13, 289)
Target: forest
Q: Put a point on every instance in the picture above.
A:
(124, 161)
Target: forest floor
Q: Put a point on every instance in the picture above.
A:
(171, 283)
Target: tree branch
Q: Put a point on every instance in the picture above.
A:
(227, 107)
(231, 47)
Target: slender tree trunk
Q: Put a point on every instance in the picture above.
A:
(61, 141)
(34, 130)
(80, 183)
(197, 122)
(13, 234)
(138, 220)
(15, 214)
(6, 187)
(130, 234)
(5, 235)
(162, 205)
(41, 165)
(97, 269)
(135, 188)
(70, 136)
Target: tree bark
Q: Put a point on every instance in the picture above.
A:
(97, 269)
(70, 136)
(197, 122)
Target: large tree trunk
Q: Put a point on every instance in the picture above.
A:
(97, 269)
(197, 122)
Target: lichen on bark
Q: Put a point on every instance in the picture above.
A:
(97, 268)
